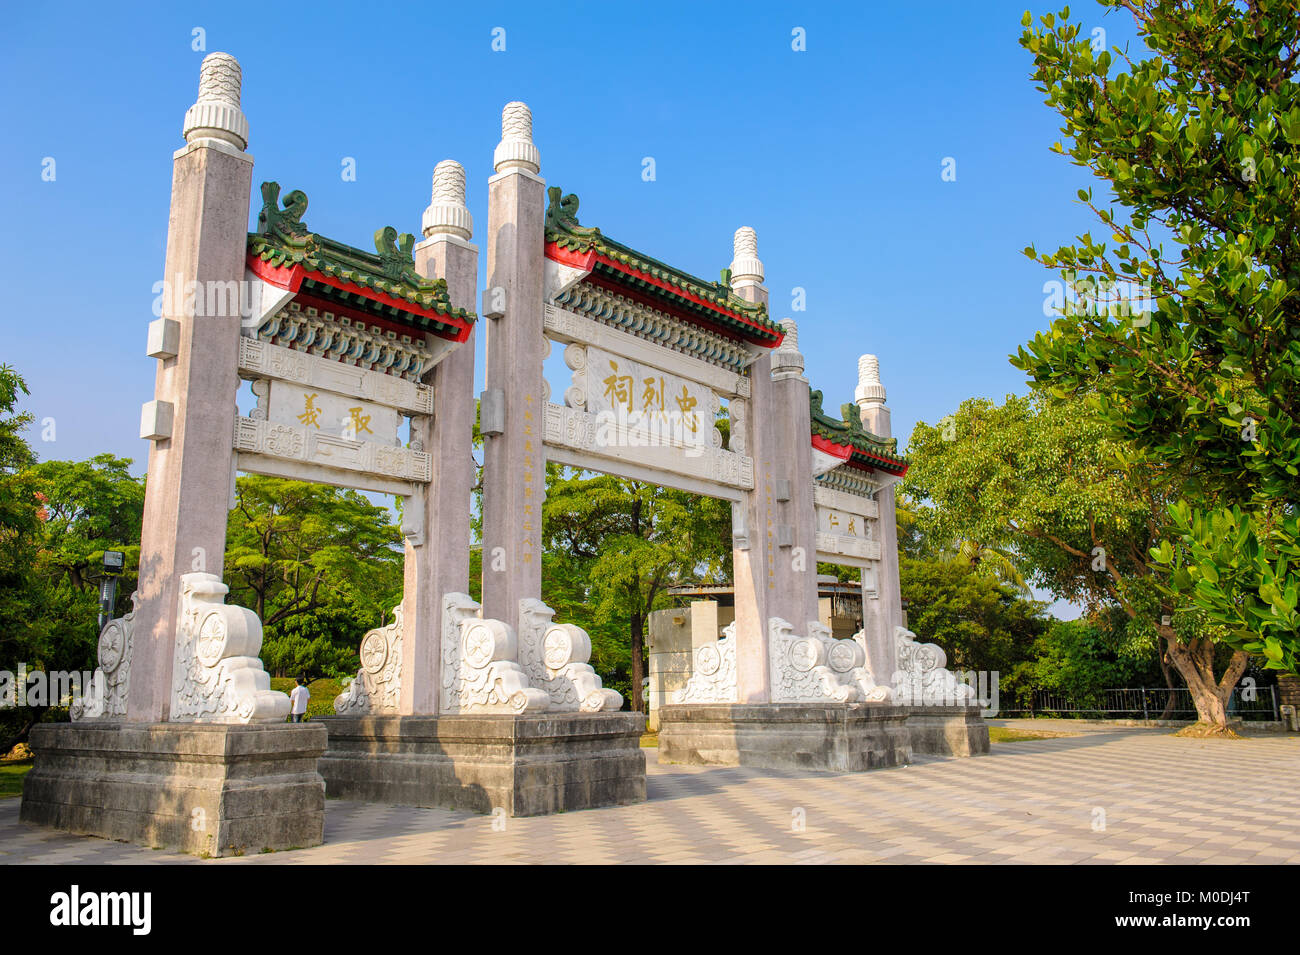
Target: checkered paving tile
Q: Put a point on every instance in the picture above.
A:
(1109, 796)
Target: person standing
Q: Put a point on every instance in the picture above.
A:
(298, 701)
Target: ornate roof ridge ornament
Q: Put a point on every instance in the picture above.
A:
(283, 241)
(283, 223)
(564, 231)
(516, 149)
(851, 433)
(447, 213)
(216, 113)
(562, 216)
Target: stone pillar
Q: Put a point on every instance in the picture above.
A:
(438, 525)
(795, 556)
(883, 612)
(215, 771)
(514, 463)
(754, 518)
(191, 420)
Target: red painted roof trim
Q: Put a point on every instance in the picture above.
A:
(588, 260)
(857, 457)
(291, 277)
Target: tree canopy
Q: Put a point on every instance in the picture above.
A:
(620, 544)
(1197, 146)
(319, 565)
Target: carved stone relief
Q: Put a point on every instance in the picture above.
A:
(216, 675)
(378, 684)
(713, 679)
(921, 678)
(555, 658)
(105, 698)
(479, 669)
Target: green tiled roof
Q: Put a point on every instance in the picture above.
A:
(283, 240)
(850, 432)
(563, 229)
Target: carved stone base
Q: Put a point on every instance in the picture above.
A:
(207, 789)
(527, 765)
(842, 737)
(947, 730)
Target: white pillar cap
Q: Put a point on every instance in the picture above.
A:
(447, 213)
(786, 357)
(516, 149)
(745, 265)
(216, 113)
(869, 389)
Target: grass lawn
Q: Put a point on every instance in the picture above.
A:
(11, 777)
(650, 740)
(323, 692)
(1000, 734)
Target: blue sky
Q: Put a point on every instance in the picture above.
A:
(834, 155)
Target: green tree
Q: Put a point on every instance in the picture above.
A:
(65, 514)
(623, 543)
(916, 538)
(1079, 659)
(981, 623)
(1199, 146)
(1043, 479)
(319, 565)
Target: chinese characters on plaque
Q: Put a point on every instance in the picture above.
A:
(644, 406)
(843, 524)
(339, 416)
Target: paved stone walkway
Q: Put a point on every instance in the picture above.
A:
(1038, 802)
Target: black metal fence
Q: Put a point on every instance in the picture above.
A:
(1147, 703)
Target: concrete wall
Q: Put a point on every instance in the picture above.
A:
(670, 658)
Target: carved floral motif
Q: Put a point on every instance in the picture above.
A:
(106, 696)
(818, 668)
(377, 687)
(555, 658)
(921, 678)
(714, 677)
(479, 669)
(216, 675)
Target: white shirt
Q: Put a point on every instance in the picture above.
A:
(298, 699)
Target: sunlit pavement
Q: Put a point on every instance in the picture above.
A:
(1108, 795)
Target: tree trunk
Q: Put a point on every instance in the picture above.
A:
(1168, 672)
(638, 660)
(1195, 663)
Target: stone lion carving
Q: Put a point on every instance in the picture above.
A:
(555, 658)
(921, 678)
(378, 684)
(217, 676)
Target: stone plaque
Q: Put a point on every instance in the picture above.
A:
(650, 407)
(843, 524)
(328, 413)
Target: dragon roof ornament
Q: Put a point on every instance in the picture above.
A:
(283, 241)
(874, 450)
(697, 298)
